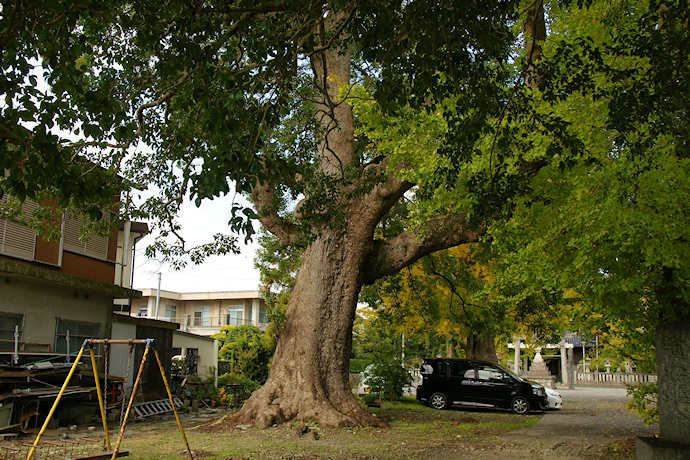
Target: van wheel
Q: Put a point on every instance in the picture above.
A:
(438, 401)
(519, 405)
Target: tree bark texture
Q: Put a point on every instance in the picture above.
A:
(534, 30)
(309, 379)
(481, 348)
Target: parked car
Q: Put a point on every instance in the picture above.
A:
(462, 382)
(555, 400)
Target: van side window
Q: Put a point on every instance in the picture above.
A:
(489, 373)
(434, 367)
(462, 369)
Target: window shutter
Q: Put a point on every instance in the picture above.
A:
(17, 239)
(96, 246)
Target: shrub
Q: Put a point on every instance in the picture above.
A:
(644, 402)
(202, 389)
(358, 365)
(246, 350)
(387, 379)
(248, 386)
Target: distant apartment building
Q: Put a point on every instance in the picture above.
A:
(203, 313)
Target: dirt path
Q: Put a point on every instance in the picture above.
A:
(591, 418)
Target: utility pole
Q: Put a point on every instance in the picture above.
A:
(403, 349)
(158, 294)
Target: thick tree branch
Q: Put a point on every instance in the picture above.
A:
(393, 186)
(390, 256)
(264, 199)
(534, 30)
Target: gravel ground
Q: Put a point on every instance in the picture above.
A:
(591, 418)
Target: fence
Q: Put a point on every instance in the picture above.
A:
(613, 378)
(581, 379)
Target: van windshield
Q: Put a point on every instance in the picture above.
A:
(516, 377)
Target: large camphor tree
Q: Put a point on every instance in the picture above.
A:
(192, 99)
(328, 115)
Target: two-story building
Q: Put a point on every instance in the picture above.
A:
(54, 294)
(203, 313)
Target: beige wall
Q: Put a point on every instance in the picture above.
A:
(41, 304)
(119, 354)
(208, 351)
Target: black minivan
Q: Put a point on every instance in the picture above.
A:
(464, 382)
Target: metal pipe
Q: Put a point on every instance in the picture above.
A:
(131, 276)
(15, 356)
(172, 403)
(125, 253)
(100, 397)
(67, 354)
(119, 341)
(57, 400)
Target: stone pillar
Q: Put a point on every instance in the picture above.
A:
(564, 364)
(673, 370)
(571, 368)
(516, 360)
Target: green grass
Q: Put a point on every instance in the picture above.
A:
(415, 432)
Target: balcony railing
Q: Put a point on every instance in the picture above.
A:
(212, 323)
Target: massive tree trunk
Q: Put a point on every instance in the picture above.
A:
(309, 377)
(481, 348)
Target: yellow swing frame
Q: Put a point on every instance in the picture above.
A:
(90, 343)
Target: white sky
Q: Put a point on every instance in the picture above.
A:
(218, 273)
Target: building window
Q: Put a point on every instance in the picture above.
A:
(171, 312)
(235, 315)
(202, 316)
(77, 331)
(8, 322)
(262, 316)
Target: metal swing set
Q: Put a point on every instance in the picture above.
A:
(89, 343)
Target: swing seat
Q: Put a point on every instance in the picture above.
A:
(103, 455)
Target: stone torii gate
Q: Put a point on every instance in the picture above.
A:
(566, 358)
